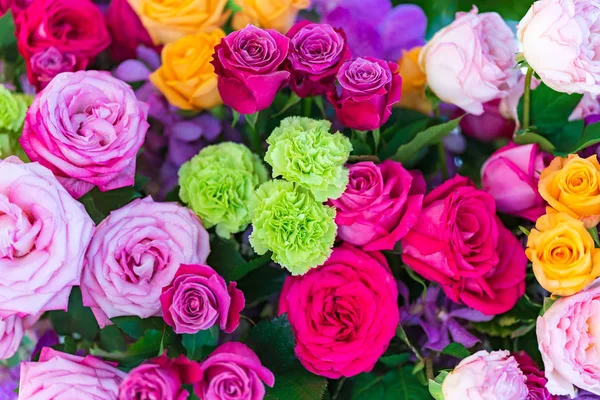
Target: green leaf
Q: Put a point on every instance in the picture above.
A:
(591, 135)
(111, 339)
(291, 101)
(360, 148)
(405, 386)
(530, 137)
(99, 204)
(77, 319)
(524, 230)
(233, 6)
(252, 119)
(262, 283)
(136, 326)
(250, 266)
(148, 345)
(367, 386)
(415, 277)
(400, 136)
(200, 344)
(522, 331)
(548, 301)
(70, 345)
(395, 359)
(273, 342)
(297, 384)
(594, 233)
(429, 136)
(235, 118)
(402, 336)
(435, 386)
(550, 110)
(456, 350)
(8, 40)
(225, 257)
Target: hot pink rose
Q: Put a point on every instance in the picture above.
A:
(343, 313)
(123, 46)
(16, 6)
(87, 127)
(511, 176)
(199, 298)
(460, 243)
(43, 236)
(489, 126)
(50, 62)
(64, 376)
(233, 372)
(380, 205)
(134, 253)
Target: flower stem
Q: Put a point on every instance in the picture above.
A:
(307, 106)
(338, 389)
(376, 138)
(254, 136)
(527, 98)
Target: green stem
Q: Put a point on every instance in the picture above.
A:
(254, 136)
(338, 389)
(527, 98)
(376, 138)
(443, 162)
(429, 367)
(307, 105)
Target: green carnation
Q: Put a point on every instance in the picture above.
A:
(302, 150)
(12, 110)
(290, 222)
(218, 184)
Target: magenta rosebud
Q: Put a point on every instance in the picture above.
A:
(368, 89)
(380, 205)
(317, 53)
(536, 381)
(50, 62)
(233, 372)
(249, 63)
(124, 44)
(488, 126)
(199, 298)
(511, 176)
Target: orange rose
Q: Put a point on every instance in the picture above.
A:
(413, 82)
(268, 14)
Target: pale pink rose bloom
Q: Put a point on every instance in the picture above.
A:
(134, 253)
(44, 233)
(471, 61)
(589, 105)
(11, 334)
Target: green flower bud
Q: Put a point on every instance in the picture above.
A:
(302, 150)
(218, 184)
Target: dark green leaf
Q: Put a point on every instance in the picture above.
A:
(401, 136)
(591, 135)
(148, 345)
(99, 204)
(262, 283)
(111, 339)
(136, 326)
(8, 40)
(395, 360)
(456, 350)
(225, 257)
(405, 386)
(250, 266)
(76, 320)
(297, 384)
(367, 386)
(404, 337)
(70, 345)
(360, 148)
(291, 101)
(530, 137)
(273, 341)
(200, 344)
(568, 137)
(594, 232)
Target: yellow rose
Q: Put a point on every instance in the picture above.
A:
(169, 20)
(572, 185)
(268, 14)
(413, 82)
(563, 254)
(186, 77)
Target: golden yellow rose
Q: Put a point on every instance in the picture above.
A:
(413, 82)
(563, 254)
(169, 20)
(186, 77)
(269, 14)
(572, 185)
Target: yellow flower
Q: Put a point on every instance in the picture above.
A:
(186, 76)
(563, 254)
(169, 20)
(413, 82)
(269, 14)
(572, 185)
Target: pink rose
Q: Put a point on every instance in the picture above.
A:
(380, 205)
(535, 379)
(125, 43)
(87, 128)
(199, 298)
(511, 176)
(489, 126)
(460, 243)
(560, 44)
(43, 236)
(471, 61)
(589, 106)
(567, 338)
(343, 313)
(489, 376)
(135, 252)
(64, 376)
(50, 62)
(233, 372)
(11, 334)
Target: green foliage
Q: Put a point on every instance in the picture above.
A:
(8, 41)
(435, 385)
(136, 327)
(201, 344)
(297, 384)
(77, 320)
(99, 204)
(273, 342)
(456, 350)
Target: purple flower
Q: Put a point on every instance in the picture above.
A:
(9, 381)
(376, 29)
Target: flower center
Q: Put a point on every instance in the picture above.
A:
(17, 233)
(142, 260)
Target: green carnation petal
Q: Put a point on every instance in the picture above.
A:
(290, 222)
(302, 150)
(13, 108)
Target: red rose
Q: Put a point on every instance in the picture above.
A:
(125, 41)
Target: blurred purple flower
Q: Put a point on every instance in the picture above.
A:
(9, 381)
(581, 395)
(439, 318)
(374, 28)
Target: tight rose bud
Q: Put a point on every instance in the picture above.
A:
(50, 62)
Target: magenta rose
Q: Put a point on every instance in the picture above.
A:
(536, 381)
(368, 89)
(489, 126)
(135, 252)
(343, 313)
(44, 233)
(199, 298)
(50, 62)
(380, 205)
(65, 376)
(317, 52)
(250, 66)
(233, 372)
(87, 128)
(460, 243)
(511, 176)
(125, 43)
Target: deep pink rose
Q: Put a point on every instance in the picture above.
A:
(249, 63)
(50, 62)
(161, 378)
(199, 298)
(317, 52)
(16, 6)
(125, 41)
(489, 126)
(233, 372)
(460, 243)
(71, 26)
(380, 205)
(87, 128)
(343, 313)
(65, 376)
(536, 381)
(135, 252)
(44, 233)
(511, 176)
(369, 87)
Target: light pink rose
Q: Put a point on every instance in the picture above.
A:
(511, 176)
(11, 334)
(134, 253)
(471, 61)
(589, 105)
(560, 42)
(568, 339)
(58, 376)
(87, 128)
(43, 236)
(489, 376)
